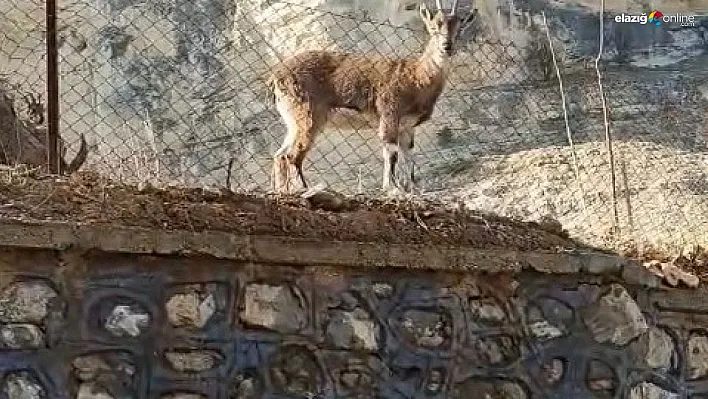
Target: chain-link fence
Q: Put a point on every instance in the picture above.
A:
(175, 91)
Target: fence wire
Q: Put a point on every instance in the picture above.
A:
(173, 91)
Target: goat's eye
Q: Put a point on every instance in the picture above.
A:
(440, 24)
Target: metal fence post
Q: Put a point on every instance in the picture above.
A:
(52, 88)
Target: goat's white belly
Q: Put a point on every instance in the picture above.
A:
(348, 120)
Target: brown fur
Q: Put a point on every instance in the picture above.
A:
(318, 88)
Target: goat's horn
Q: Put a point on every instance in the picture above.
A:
(454, 7)
(437, 3)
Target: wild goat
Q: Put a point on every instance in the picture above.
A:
(23, 142)
(317, 88)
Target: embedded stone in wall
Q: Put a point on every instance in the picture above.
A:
(484, 388)
(356, 376)
(294, 371)
(190, 310)
(274, 307)
(548, 318)
(182, 395)
(601, 378)
(26, 302)
(246, 386)
(21, 336)
(615, 318)
(353, 330)
(382, 290)
(486, 312)
(552, 372)
(647, 390)
(92, 390)
(657, 349)
(356, 381)
(426, 328)
(127, 320)
(22, 385)
(492, 350)
(193, 361)
(435, 382)
(194, 305)
(103, 375)
(697, 356)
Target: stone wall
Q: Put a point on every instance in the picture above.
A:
(88, 312)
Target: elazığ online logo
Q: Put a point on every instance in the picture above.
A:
(656, 17)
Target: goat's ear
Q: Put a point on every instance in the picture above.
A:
(425, 13)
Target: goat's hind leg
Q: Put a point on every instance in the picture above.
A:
(281, 174)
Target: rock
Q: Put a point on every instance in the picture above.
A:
(21, 385)
(353, 330)
(539, 313)
(294, 372)
(435, 382)
(127, 320)
(544, 331)
(104, 375)
(245, 386)
(427, 329)
(601, 377)
(21, 336)
(647, 390)
(327, 200)
(190, 310)
(193, 361)
(90, 390)
(492, 350)
(602, 264)
(86, 368)
(357, 380)
(26, 302)
(486, 311)
(657, 349)
(673, 275)
(615, 318)
(115, 366)
(552, 372)
(697, 356)
(382, 290)
(639, 274)
(488, 389)
(182, 395)
(274, 307)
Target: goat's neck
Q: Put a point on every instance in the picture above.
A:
(433, 63)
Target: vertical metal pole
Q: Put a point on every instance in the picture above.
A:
(52, 88)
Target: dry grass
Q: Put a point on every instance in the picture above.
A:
(668, 191)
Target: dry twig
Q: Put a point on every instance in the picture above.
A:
(608, 137)
(565, 114)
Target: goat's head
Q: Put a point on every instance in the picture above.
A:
(444, 28)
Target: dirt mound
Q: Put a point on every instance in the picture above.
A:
(87, 198)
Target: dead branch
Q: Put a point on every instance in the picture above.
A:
(565, 114)
(608, 137)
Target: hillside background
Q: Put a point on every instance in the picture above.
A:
(173, 91)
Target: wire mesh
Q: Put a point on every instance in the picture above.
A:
(174, 91)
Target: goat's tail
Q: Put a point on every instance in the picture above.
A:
(79, 159)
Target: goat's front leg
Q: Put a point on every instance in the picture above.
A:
(406, 177)
(390, 156)
(388, 132)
